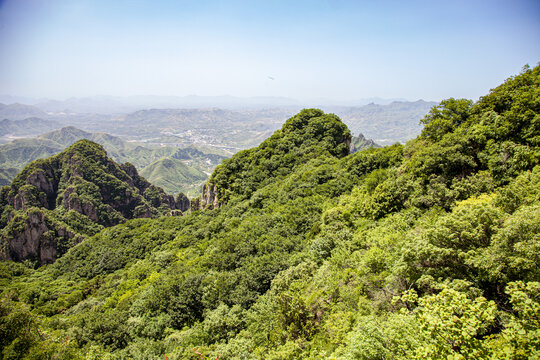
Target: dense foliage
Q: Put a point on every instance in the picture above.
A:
(309, 134)
(423, 251)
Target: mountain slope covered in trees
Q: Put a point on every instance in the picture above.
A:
(423, 251)
(55, 203)
(174, 175)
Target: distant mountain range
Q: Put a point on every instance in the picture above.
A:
(124, 104)
(360, 142)
(385, 124)
(18, 111)
(31, 126)
(181, 146)
(219, 128)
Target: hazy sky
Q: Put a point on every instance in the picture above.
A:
(332, 49)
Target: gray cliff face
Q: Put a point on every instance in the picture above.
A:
(36, 240)
(39, 189)
(347, 142)
(182, 203)
(71, 201)
(36, 222)
(210, 197)
(142, 212)
(27, 197)
(43, 180)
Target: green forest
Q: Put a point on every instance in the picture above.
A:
(428, 250)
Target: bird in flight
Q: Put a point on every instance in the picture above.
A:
(271, 78)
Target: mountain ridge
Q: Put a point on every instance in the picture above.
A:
(80, 179)
(18, 153)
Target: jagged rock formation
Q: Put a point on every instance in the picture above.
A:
(61, 199)
(360, 142)
(209, 198)
(182, 202)
(34, 235)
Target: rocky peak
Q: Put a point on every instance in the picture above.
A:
(31, 235)
(209, 198)
(82, 180)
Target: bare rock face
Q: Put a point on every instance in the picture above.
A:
(176, 213)
(71, 201)
(28, 196)
(35, 239)
(42, 179)
(143, 211)
(210, 197)
(182, 203)
(37, 219)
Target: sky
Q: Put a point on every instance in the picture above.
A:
(332, 49)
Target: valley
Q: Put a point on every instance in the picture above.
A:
(145, 137)
(148, 138)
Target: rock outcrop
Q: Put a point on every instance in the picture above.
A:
(81, 180)
(182, 202)
(33, 236)
(360, 142)
(210, 197)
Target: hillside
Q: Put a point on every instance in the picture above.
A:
(26, 127)
(6, 175)
(174, 176)
(301, 250)
(18, 153)
(303, 137)
(20, 112)
(54, 203)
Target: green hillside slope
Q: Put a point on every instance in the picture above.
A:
(6, 175)
(303, 251)
(18, 153)
(174, 176)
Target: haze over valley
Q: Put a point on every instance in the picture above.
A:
(147, 136)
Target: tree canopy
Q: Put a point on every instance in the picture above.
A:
(426, 250)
